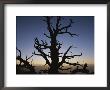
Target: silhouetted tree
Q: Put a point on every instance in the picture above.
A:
(55, 45)
(25, 62)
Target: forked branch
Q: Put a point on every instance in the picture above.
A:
(65, 56)
(39, 47)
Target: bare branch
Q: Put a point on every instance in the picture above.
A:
(43, 55)
(38, 46)
(36, 54)
(64, 56)
(60, 53)
(58, 24)
(64, 29)
(59, 45)
(43, 45)
(68, 26)
(49, 25)
(72, 56)
(67, 57)
(52, 28)
(67, 51)
(29, 57)
(47, 35)
(64, 32)
(74, 64)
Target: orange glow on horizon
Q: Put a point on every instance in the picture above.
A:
(40, 62)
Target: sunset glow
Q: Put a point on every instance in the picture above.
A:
(30, 27)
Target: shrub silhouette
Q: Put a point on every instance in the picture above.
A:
(26, 68)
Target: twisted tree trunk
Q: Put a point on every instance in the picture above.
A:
(54, 56)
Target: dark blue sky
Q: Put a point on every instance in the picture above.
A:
(29, 27)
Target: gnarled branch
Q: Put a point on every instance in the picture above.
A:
(47, 35)
(66, 32)
(67, 57)
(58, 24)
(47, 20)
(68, 26)
(63, 58)
(64, 29)
(74, 64)
(29, 57)
(43, 45)
(38, 46)
(72, 56)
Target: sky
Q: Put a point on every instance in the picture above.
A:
(30, 27)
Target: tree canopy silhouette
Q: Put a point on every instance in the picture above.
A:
(54, 46)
